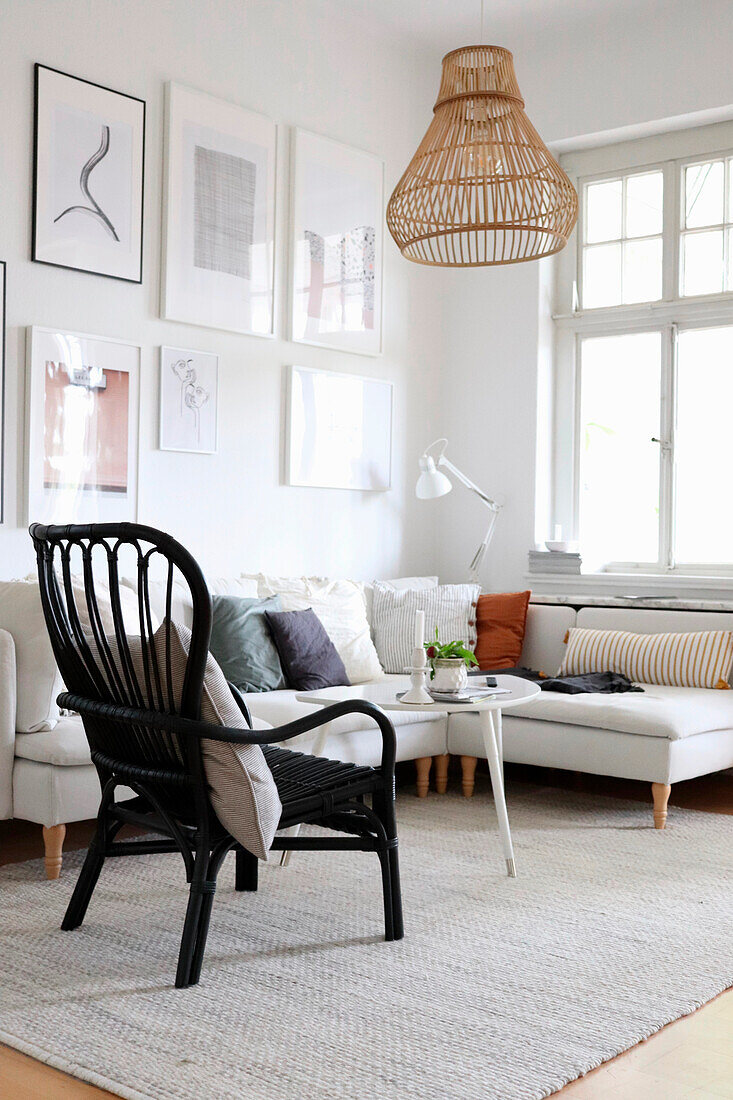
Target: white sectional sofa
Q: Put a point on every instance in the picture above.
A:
(662, 736)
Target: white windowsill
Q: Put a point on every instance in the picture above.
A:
(667, 589)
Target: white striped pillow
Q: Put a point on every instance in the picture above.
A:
(450, 607)
(698, 659)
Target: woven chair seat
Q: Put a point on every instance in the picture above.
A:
(310, 783)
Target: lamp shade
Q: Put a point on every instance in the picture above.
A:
(431, 483)
(482, 188)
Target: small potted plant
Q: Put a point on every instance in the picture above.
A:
(448, 664)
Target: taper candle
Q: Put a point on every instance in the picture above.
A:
(419, 629)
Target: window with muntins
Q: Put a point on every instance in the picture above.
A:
(644, 382)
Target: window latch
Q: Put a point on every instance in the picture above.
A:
(663, 443)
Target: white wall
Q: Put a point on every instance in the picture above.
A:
(590, 70)
(302, 62)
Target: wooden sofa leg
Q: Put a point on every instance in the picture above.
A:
(468, 766)
(441, 772)
(660, 794)
(422, 767)
(53, 842)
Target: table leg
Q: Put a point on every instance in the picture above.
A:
(488, 729)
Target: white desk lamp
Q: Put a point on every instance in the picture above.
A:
(433, 483)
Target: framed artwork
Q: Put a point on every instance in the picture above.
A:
(82, 395)
(188, 400)
(339, 431)
(88, 168)
(3, 275)
(219, 241)
(336, 247)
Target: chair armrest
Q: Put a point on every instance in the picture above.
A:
(8, 694)
(189, 727)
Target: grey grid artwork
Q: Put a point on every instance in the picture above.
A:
(224, 204)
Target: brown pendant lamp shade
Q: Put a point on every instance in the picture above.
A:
(482, 187)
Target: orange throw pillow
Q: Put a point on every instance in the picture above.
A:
(501, 618)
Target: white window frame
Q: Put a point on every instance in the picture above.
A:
(671, 314)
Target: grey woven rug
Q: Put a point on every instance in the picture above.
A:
(503, 989)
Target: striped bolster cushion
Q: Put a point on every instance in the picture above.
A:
(699, 659)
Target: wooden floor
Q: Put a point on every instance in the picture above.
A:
(691, 1058)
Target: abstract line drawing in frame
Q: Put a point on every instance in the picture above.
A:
(188, 400)
(338, 431)
(219, 219)
(88, 176)
(337, 214)
(3, 297)
(82, 401)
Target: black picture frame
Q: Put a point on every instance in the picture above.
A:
(139, 214)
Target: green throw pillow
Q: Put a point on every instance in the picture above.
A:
(242, 644)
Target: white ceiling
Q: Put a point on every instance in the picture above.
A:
(444, 24)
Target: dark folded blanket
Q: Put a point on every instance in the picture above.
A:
(589, 683)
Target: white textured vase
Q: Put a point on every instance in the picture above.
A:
(450, 674)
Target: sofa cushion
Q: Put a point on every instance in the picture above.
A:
(700, 659)
(501, 618)
(66, 744)
(339, 604)
(181, 605)
(400, 584)
(308, 656)
(671, 712)
(38, 678)
(242, 643)
(450, 609)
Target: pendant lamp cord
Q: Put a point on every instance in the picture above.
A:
(481, 39)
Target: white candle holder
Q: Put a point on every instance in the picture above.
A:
(418, 693)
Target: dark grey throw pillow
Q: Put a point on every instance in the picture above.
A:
(308, 655)
(242, 645)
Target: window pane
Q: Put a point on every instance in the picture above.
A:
(644, 205)
(602, 276)
(619, 465)
(603, 211)
(702, 262)
(643, 270)
(704, 519)
(704, 194)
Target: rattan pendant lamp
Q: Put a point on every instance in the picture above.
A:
(482, 188)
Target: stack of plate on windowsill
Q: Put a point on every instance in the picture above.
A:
(554, 561)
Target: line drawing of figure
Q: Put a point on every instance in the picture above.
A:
(193, 397)
(94, 209)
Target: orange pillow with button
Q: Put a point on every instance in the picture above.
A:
(501, 619)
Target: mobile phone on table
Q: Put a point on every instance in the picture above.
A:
(491, 682)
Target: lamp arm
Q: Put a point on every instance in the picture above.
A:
(459, 476)
(478, 557)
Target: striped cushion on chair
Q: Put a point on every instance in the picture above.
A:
(698, 659)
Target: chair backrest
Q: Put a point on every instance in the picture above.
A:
(108, 655)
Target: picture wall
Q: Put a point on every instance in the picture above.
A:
(218, 271)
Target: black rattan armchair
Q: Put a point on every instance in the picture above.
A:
(143, 738)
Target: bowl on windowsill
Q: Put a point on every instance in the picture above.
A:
(562, 547)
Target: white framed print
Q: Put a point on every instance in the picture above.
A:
(88, 172)
(336, 245)
(189, 382)
(219, 238)
(339, 431)
(82, 400)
